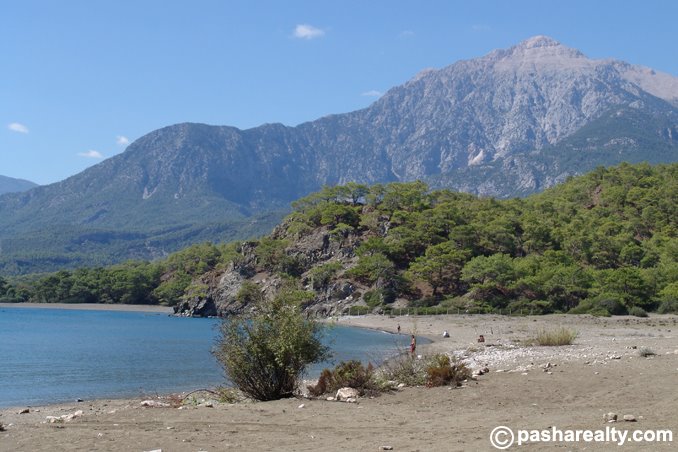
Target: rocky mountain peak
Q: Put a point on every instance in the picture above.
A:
(538, 41)
(538, 51)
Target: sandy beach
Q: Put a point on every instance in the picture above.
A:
(527, 387)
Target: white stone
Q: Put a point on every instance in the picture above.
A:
(346, 393)
(153, 403)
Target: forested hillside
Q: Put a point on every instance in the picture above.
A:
(604, 243)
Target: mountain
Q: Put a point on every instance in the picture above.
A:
(12, 185)
(510, 123)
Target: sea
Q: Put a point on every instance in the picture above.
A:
(55, 355)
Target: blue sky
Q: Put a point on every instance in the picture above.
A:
(81, 79)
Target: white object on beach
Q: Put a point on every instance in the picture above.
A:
(347, 393)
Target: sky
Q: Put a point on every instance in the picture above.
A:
(80, 80)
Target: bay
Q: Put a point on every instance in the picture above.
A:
(52, 355)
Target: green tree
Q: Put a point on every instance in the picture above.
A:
(440, 266)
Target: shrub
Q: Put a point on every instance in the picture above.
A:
(350, 374)
(668, 307)
(322, 275)
(441, 372)
(404, 369)
(645, 352)
(532, 307)
(559, 336)
(264, 353)
(637, 311)
(602, 305)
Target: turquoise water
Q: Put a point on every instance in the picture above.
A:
(52, 355)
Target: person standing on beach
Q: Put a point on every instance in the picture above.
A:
(398, 328)
(413, 344)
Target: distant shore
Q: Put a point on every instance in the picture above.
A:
(92, 307)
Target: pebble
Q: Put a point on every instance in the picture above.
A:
(610, 417)
(153, 403)
(25, 411)
(629, 418)
(386, 447)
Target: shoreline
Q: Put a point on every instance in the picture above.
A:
(526, 387)
(92, 307)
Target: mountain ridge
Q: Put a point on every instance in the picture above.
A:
(509, 123)
(14, 185)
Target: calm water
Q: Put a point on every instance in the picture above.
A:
(51, 355)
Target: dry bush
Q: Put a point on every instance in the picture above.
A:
(441, 371)
(350, 374)
(557, 337)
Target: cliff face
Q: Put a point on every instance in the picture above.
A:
(318, 248)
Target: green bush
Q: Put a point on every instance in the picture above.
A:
(637, 311)
(668, 307)
(265, 352)
(322, 275)
(601, 305)
(536, 307)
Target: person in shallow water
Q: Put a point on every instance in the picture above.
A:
(413, 344)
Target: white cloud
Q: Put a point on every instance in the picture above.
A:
(406, 34)
(91, 154)
(17, 127)
(122, 140)
(372, 93)
(305, 31)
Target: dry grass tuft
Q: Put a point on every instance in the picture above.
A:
(559, 336)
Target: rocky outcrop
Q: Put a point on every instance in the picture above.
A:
(313, 249)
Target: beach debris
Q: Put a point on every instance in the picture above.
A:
(25, 411)
(207, 404)
(446, 334)
(610, 417)
(351, 400)
(401, 385)
(154, 450)
(301, 406)
(64, 418)
(154, 404)
(630, 418)
(330, 399)
(2, 427)
(547, 366)
(347, 393)
(386, 447)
